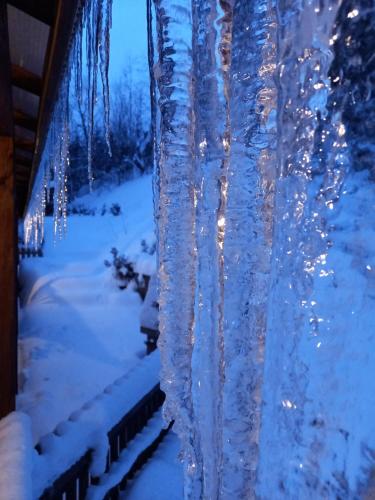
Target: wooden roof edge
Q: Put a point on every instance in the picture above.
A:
(55, 65)
(43, 10)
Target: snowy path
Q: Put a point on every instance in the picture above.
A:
(161, 478)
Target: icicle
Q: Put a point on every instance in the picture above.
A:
(248, 238)
(288, 446)
(95, 17)
(212, 32)
(104, 46)
(173, 73)
(228, 215)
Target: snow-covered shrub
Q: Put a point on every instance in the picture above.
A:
(115, 209)
(149, 248)
(80, 209)
(124, 273)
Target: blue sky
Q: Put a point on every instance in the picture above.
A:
(128, 37)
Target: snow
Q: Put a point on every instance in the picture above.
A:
(87, 427)
(149, 311)
(161, 477)
(15, 457)
(129, 455)
(78, 331)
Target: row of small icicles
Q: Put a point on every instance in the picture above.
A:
(90, 43)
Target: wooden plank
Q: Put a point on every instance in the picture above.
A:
(8, 241)
(26, 80)
(56, 59)
(21, 160)
(24, 144)
(43, 10)
(24, 120)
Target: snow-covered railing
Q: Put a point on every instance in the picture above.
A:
(29, 252)
(74, 483)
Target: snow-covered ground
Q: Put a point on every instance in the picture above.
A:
(162, 476)
(78, 331)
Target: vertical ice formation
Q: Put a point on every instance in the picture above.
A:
(303, 443)
(176, 222)
(269, 230)
(93, 18)
(248, 237)
(214, 213)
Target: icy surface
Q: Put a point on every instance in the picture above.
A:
(15, 457)
(220, 161)
(265, 249)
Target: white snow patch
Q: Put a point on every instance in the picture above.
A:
(15, 457)
(162, 476)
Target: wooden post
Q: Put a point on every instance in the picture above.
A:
(8, 240)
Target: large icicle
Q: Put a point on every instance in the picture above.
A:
(211, 49)
(248, 238)
(176, 221)
(226, 227)
(290, 446)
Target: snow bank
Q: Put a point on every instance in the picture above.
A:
(162, 477)
(15, 457)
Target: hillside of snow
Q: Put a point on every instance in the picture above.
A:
(78, 331)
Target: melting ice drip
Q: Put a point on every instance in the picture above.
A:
(94, 20)
(254, 198)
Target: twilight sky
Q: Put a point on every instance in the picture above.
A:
(128, 37)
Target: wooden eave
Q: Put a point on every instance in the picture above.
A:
(39, 36)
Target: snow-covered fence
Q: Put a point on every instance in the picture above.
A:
(15, 457)
(29, 252)
(74, 482)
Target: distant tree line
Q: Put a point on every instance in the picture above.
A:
(130, 138)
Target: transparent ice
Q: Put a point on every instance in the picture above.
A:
(266, 247)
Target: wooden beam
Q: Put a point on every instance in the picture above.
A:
(8, 239)
(25, 162)
(24, 144)
(24, 120)
(56, 60)
(43, 10)
(26, 80)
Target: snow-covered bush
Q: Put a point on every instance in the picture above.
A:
(149, 248)
(125, 274)
(115, 209)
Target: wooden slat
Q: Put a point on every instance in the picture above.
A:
(24, 120)
(21, 160)
(8, 241)
(43, 10)
(26, 80)
(57, 53)
(24, 144)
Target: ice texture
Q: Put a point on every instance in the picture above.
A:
(216, 170)
(176, 222)
(266, 246)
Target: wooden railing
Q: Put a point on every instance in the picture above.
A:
(29, 252)
(73, 483)
(142, 458)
